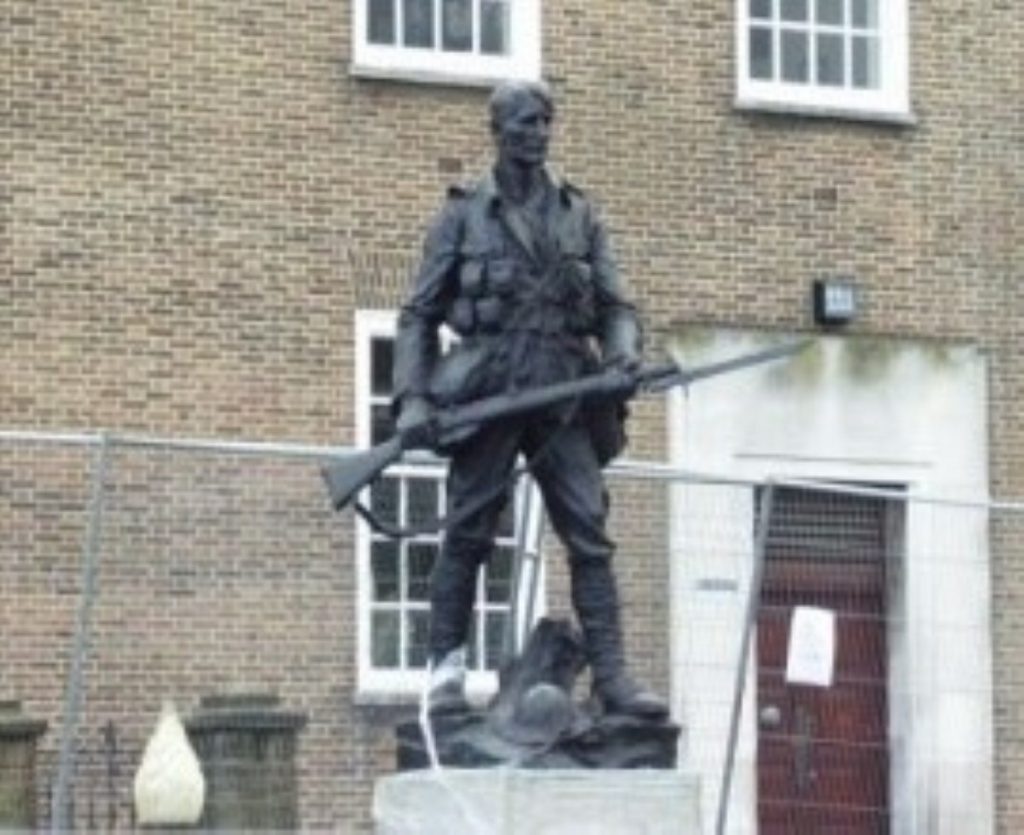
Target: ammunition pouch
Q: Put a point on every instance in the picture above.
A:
(471, 370)
(605, 420)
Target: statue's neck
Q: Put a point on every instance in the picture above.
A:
(518, 183)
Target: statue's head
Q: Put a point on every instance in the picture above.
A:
(521, 116)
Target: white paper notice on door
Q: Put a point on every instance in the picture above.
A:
(812, 647)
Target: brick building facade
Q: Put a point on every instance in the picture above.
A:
(197, 198)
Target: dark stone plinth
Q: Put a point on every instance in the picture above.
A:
(18, 738)
(246, 745)
(468, 741)
(534, 723)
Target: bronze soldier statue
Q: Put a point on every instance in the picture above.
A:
(519, 266)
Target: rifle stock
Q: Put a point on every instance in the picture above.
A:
(347, 475)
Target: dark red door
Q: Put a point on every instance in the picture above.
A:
(823, 764)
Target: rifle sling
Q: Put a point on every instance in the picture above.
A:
(394, 532)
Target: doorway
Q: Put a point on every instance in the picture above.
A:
(823, 752)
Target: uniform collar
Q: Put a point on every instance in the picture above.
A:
(492, 192)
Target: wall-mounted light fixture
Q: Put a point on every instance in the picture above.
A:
(835, 301)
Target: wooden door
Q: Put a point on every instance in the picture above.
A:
(823, 763)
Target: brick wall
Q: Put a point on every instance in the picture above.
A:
(194, 197)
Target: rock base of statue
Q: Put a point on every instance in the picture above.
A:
(469, 741)
(503, 801)
(534, 723)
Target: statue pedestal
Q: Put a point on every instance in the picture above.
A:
(504, 801)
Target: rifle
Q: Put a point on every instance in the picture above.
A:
(349, 474)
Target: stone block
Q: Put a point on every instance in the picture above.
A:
(504, 801)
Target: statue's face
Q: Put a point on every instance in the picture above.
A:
(524, 132)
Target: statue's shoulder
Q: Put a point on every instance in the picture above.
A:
(467, 190)
(573, 195)
(467, 200)
(460, 198)
(453, 210)
(459, 191)
(570, 187)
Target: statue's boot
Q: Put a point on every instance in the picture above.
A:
(453, 588)
(622, 694)
(447, 689)
(597, 608)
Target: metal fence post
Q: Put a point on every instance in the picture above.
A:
(523, 591)
(61, 808)
(749, 621)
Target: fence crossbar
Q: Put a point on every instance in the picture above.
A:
(622, 468)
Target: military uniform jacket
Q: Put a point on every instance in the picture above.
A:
(534, 297)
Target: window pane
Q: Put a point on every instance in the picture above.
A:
(384, 566)
(382, 21)
(761, 9)
(384, 639)
(421, 563)
(382, 362)
(472, 644)
(794, 56)
(499, 574)
(761, 53)
(457, 25)
(829, 12)
(865, 13)
(865, 63)
(507, 520)
(495, 628)
(417, 637)
(830, 60)
(422, 501)
(382, 425)
(494, 27)
(794, 9)
(384, 499)
(419, 22)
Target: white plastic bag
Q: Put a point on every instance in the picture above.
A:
(169, 785)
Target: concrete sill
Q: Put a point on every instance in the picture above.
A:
(421, 77)
(897, 118)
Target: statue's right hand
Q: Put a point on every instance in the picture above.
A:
(417, 416)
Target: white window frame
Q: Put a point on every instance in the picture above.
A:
(890, 102)
(435, 65)
(375, 683)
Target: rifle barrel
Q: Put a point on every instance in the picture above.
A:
(346, 476)
(526, 400)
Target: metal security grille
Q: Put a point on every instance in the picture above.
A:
(814, 525)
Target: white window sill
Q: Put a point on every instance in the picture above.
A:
(364, 698)
(824, 111)
(424, 76)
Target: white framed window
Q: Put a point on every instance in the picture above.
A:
(447, 41)
(830, 57)
(393, 575)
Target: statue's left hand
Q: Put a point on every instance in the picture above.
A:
(625, 364)
(628, 363)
